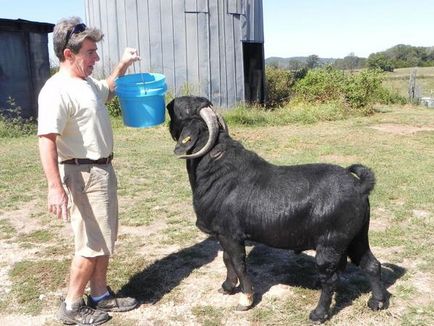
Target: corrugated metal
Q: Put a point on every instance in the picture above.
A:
(254, 13)
(196, 44)
(196, 6)
(236, 7)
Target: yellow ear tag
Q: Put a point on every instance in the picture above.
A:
(186, 140)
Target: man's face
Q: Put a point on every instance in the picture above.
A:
(85, 59)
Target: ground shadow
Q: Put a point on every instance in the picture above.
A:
(158, 279)
(268, 267)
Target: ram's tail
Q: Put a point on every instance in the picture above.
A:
(365, 175)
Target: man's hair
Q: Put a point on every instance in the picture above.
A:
(63, 30)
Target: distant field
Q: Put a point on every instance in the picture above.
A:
(399, 80)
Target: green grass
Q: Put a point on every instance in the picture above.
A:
(162, 239)
(420, 316)
(31, 279)
(399, 80)
(303, 113)
(207, 315)
(35, 237)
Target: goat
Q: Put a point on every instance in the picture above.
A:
(238, 196)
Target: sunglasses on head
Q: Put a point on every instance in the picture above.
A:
(75, 30)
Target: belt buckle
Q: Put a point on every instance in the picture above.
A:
(76, 161)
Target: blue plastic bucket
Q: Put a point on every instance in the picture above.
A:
(142, 99)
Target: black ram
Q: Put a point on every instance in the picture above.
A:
(238, 196)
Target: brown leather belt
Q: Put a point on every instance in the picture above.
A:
(77, 161)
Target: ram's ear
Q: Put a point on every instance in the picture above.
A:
(189, 137)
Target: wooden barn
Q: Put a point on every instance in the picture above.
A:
(211, 48)
(24, 63)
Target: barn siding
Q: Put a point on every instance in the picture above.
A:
(196, 44)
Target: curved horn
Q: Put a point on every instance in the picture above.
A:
(221, 120)
(209, 116)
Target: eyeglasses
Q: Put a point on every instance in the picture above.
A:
(75, 30)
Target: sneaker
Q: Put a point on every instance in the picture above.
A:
(81, 315)
(113, 303)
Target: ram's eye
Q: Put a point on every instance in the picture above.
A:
(186, 140)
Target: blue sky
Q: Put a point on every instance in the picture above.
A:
(336, 28)
(327, 28)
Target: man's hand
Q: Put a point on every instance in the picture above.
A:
(57, 198)
(130, 56)
(58, 203)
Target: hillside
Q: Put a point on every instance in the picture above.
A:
(398, 56)
(284, 62)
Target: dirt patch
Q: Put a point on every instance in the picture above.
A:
(380, 219)
(21, 219)
(400, 129)
(24, 320)
(142, 231)
(424, 283)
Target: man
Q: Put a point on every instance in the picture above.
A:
(76, 144)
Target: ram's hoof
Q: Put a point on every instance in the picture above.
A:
(246, 302)
(318, 318)
(375, 304)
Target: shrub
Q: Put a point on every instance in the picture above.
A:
(12, 124)
(320, 85)
(387, 96)
(114, 107)
(278, 84)
(356, 92)
(360, 89)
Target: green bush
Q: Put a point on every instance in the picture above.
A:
(361, 89)
(114, 107)
(12, 124)
(324, 94)
(387, 96)
(278, 84)
(320, 86)
(356, 92)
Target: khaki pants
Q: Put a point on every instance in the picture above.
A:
(93, 207)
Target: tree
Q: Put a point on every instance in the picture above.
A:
(295, 64)
(350, 62)
(380, 61)
(312, 61)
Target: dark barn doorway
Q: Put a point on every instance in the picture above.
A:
(253, 57)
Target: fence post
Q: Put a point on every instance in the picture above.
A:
(413, 91)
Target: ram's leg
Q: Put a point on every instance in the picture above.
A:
(361, 255)
(228, 286)
(327, 261)
(372, 267)
(236, 254)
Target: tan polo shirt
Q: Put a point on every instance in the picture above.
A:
(75, 109)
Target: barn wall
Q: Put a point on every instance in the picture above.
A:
(196, 44)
